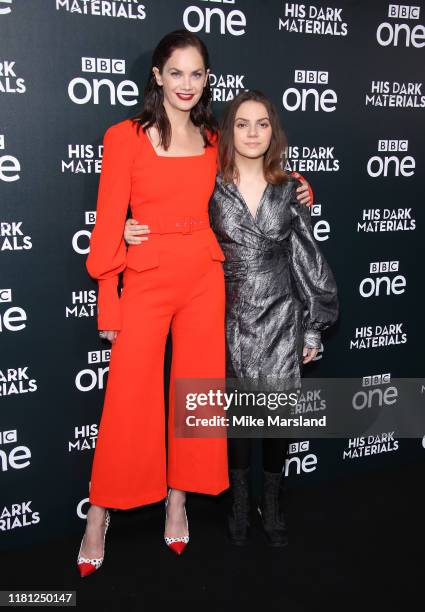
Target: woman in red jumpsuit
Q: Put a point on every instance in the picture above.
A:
(163, 164)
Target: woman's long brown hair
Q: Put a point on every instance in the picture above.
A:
(153, 112)
(275, 156)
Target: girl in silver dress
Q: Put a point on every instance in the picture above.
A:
(280, 291)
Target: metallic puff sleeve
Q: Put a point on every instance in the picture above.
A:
(312, 275)
(107, 257)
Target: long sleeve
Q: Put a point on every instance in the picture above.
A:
(313, 277)
(107, 257)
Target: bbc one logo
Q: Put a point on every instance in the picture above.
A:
(14, 317)
(302, 463)
(310, 98)
(391, 33)
(372, 380)
(12, 456)
(9, 165)
(376, 393)
(393, 164)
(112, 90)
(214, 19)
(94, 377)
(321, 227)
(380, 282)
(81, 239)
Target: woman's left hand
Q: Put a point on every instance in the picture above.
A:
(309, 354)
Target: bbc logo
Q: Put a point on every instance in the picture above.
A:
(316, 210)
(90, 217)
(400, 11)
(376, 379)
(5, 295)
(318, 77)
(299, 447)
(103, 65)
(393, 145)
(8, 437)
(99, 356)
(383, 266)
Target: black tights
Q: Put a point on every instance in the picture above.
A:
(274, 453)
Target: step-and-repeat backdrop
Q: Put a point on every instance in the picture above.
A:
(347, 78)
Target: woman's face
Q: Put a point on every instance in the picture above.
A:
(183, 78)
(252, 130)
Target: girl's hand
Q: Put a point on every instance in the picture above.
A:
(304, 192)
(133, 230)
(309, 354)
(108, 335)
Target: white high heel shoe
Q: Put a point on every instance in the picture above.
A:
(88, 566)
(178, 544)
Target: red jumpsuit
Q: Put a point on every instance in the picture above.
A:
(175, 278)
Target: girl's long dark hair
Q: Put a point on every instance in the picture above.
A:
(153, 112)
(275, 156)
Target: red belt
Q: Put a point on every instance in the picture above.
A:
(184, 225)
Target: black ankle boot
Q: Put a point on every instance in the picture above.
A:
(238, 518)
(269, 509)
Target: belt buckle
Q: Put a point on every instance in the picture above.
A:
(187, 225)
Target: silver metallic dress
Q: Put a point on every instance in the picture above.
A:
(280, 291)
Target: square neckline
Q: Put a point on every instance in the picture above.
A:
(172, 156)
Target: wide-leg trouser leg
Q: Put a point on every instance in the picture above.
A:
(186, 290)
(129, 466)
(199, 464)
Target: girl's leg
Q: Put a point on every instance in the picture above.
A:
(274, 454)
(239, 451)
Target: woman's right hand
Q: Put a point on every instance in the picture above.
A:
(133, 230)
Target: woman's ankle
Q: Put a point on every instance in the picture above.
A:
(177, 496)
(96, 515)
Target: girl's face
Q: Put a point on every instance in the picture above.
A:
(183, 78)
(252, 130)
